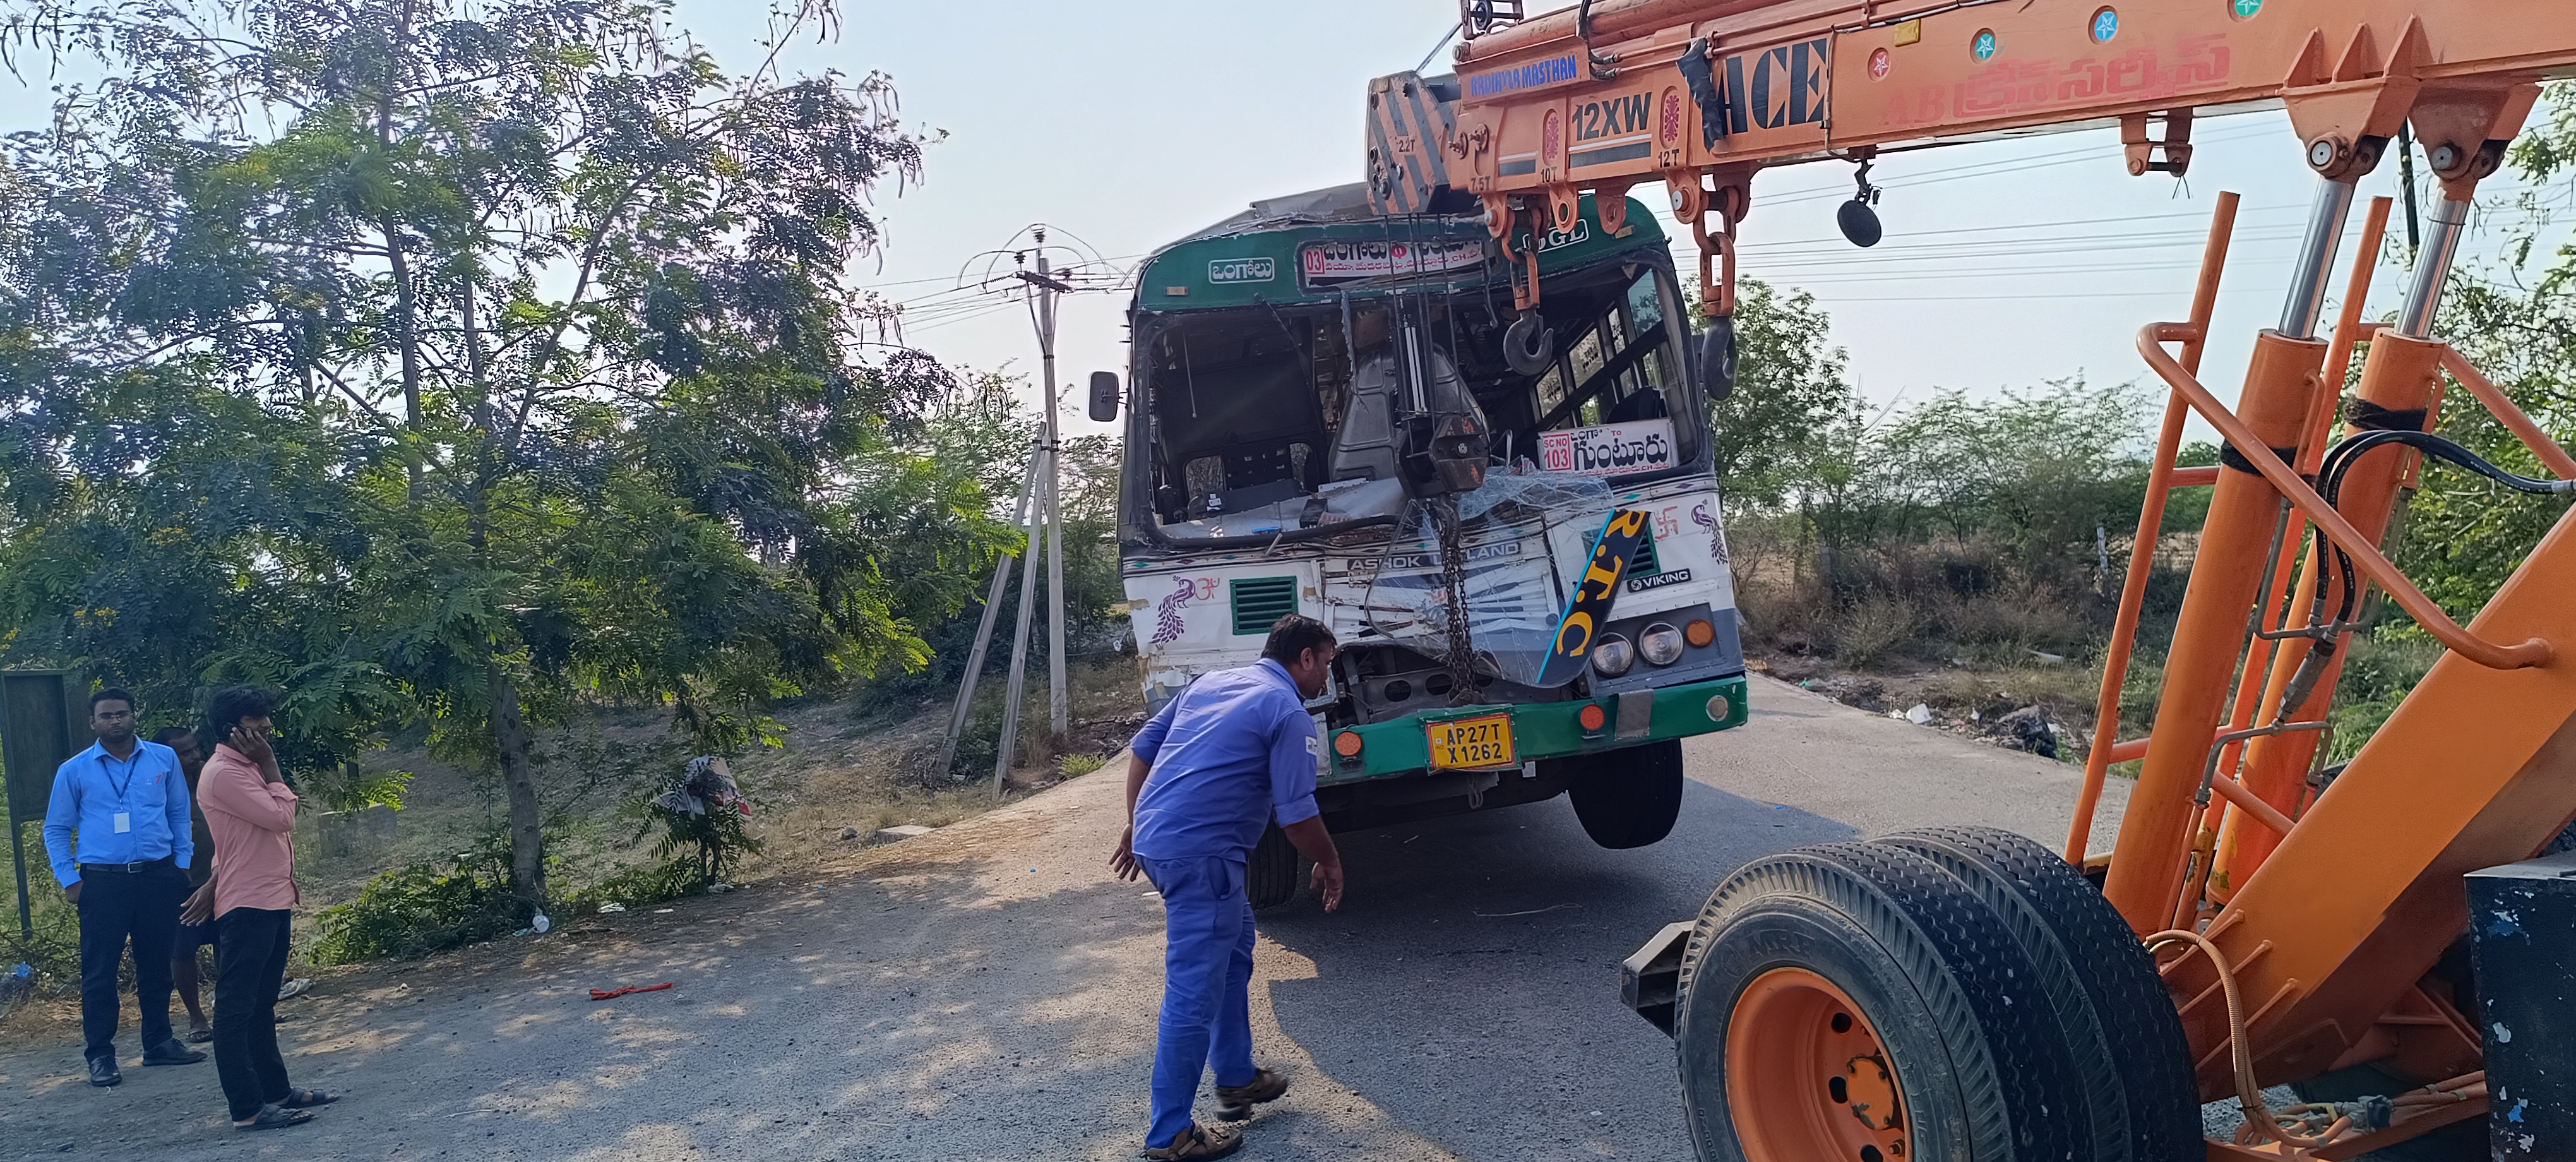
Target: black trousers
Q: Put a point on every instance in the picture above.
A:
(250, 962)
(117, 907)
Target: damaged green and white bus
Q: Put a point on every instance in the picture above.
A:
(1520, 550)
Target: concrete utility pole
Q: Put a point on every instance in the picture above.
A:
(1040, 288)
(1009, 744)
(984, 631)
(1042, 293)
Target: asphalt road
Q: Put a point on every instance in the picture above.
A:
(988, 992)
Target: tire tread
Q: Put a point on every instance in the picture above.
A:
(1270, 873)
(2136, 1015)
(2016, 1084)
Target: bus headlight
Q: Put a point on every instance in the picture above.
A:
(1612, 656)
(1662, 644)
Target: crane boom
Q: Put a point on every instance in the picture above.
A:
(1703, 93)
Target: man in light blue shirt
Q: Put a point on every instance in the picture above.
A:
(117, 832)
(1205, 777)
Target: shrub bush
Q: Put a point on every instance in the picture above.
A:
(1873, 629)
(2383, 667)
(422, 909)
(705, 818)
(641, 884)
(54, 950)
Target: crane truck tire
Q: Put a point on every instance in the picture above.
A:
(1855, 1001)
(2111, 1007)
(1630, 797)
(1270, 874)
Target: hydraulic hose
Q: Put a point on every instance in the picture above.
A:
(2340, 459)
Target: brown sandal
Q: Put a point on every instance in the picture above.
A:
(1199, 1142)
(1234, 1102)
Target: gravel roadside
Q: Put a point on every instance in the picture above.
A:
(988, 992)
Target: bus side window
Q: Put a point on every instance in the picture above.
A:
(1551, 389)
(1645, 311)
(1587, 355)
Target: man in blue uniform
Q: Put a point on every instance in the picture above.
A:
(1208, 773)
(117, 830)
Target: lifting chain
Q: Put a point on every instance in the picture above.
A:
(1453, 574)
(1693, 202)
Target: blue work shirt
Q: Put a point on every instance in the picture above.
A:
(1230, 752)
(93, 787)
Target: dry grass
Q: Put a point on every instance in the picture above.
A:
(1873, 630)
(868, 774)
(1946, 624)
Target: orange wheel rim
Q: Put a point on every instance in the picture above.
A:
(1807, 1077)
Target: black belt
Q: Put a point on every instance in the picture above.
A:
(137, 867)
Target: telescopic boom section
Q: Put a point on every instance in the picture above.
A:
(1703, 93)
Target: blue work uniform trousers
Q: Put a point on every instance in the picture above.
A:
(1207, 981)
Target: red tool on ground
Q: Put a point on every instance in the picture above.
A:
(606, 995)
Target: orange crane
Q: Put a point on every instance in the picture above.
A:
(2262, 920)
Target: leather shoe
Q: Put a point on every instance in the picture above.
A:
(171, 1052)
(102, 1072)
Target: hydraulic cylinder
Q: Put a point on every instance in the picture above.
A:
(2400, 379)
(2226, 576)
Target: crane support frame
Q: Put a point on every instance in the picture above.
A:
(2323, 908)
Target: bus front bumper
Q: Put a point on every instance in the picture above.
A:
(1541, 730)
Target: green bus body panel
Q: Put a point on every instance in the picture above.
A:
(1261, 266)
(1540, 730)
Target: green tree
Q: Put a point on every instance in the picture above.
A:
(510, 344)
(983, 433)
(2036, 472)
(1791, 399)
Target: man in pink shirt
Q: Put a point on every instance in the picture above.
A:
(251, 812)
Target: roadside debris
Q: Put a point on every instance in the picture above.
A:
(613, 994)
(18, 983)
(2026, 729)
(886, 835)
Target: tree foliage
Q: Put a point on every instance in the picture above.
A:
(450, 364)
(1790, 398)
(2035, 473)
(2466, 535)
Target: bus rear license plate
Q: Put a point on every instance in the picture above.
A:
(1472, 743)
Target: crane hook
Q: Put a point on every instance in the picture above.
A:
(1716, 358)
(1528, 348)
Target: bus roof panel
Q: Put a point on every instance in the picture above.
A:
(1315, 247)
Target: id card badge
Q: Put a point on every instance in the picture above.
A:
(124, 823)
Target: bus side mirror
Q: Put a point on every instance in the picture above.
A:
(1717, 359)
(1104, 396)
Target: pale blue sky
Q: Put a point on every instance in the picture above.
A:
(1132, 122)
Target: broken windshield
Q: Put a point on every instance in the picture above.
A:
(1279, 422)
